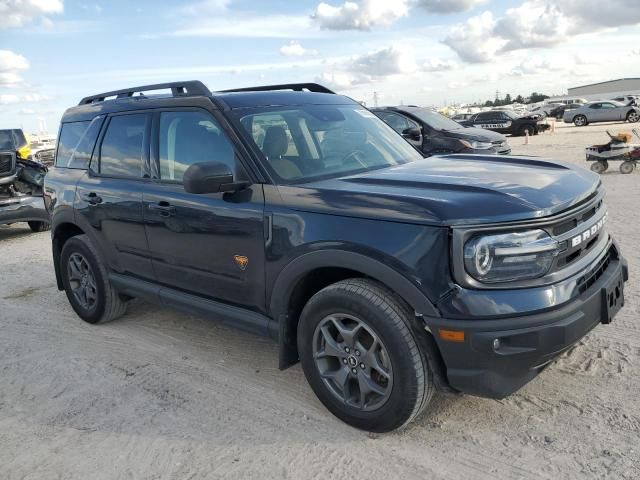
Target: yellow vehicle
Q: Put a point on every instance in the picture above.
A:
(15, 139)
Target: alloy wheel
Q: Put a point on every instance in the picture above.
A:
(352, 361)
(82, 281)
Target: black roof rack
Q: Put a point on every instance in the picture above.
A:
(191, 87)
(298, 87)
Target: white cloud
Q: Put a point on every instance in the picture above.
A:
(538, 65)
(532, 24)
(341, 80)
(438, 65)
(204, 7)
(386, 61)
(448, 6)
(294, 49)
(600, 14)
(473, 40)
(8, 99)
(537, 24)
(10, 64)
(361, 15)
(16, 13)
(272, 26)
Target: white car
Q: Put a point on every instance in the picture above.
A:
(608, 111)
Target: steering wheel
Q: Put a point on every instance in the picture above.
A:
(355, 155)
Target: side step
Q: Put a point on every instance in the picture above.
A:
(219, 312)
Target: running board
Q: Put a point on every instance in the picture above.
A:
(219, 312)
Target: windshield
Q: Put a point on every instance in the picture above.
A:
(434, 119)
(308, 142)
(7, 140)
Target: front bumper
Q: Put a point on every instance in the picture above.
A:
(527, 343)
(23, 209)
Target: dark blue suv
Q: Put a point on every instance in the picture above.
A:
(296, 213)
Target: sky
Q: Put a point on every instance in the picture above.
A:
(425, 52)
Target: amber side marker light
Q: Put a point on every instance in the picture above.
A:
(451, 335)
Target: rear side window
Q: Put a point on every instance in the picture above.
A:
(70, 135)
(122, 150)
(81, 154)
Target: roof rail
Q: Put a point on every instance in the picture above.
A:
(191, 87)
(298, 87)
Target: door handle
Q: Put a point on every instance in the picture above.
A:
(165, 209)
(91, 198)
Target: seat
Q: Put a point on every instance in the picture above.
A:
(274, 147)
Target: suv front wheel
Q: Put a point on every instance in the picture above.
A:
(361, 357)
(86, 282)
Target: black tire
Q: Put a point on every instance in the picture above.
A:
(600, 166)
(580, 121)
(627, 167)
(39, 226)
(411, 384)
(107, 305)
(633, 116)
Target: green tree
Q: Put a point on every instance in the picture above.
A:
(507, 99)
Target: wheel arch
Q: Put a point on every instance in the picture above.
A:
(60, 233)
(311, 272)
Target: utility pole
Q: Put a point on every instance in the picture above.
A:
(375, 99)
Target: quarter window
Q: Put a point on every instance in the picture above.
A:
(191, 137)
(70, 135)
(122, 151)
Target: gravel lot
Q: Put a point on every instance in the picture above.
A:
(157, 394)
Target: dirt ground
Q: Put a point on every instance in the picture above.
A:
(158, 394)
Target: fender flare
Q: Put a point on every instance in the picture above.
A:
(298, 268)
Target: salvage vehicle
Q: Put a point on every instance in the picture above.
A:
(609, 111)
(21, 182)
(432, 133)
(506, 122)
(296, 213)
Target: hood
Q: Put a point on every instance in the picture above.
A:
(451, 190)
(478, 134)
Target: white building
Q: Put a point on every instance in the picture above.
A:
(606, 90)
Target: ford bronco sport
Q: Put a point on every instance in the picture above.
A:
(296, 213)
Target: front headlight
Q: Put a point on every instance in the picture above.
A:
(510, 256)
(476, 145)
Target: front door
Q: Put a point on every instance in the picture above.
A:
(211, 245)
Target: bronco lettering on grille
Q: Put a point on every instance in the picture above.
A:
(589, 233)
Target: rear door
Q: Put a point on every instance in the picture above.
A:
(211, 245)
(109, 194)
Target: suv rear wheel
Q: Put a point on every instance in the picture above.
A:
(86, 282)
(361, 357)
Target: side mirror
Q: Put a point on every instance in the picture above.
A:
(210, 177)
(412, 134)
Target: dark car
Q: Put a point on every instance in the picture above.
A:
(21, 183)
(558, 111)
(432, 133)
(508, 123)
(296, 213)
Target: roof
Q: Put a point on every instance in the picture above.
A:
(194, 93)
(603, 83)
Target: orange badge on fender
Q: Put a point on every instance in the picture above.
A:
(241, 261)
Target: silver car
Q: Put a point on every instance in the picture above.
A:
(609, 111)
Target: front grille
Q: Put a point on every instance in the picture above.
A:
(585, 282)
(580, 232)
(45, 156)
(7, 164)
